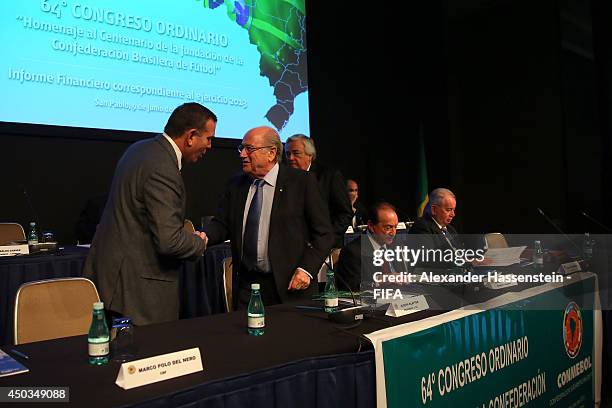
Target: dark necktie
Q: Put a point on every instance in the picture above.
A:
(251, 227)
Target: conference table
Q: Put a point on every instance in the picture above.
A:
(302, 360)
(200, 281)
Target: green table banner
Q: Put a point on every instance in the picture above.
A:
(537, 348)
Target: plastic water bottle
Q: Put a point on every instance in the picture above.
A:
(538, 254)
(32, 234)
(98, 337)
(587, 247)
(330, 294)
(255, 312)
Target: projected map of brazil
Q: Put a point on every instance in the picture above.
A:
(126, 65)
(278, 29)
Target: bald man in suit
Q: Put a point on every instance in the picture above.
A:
(277, 223)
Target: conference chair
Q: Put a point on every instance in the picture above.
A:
(334, 255)
(188, 225)
(330, 260)
(495, 240)
(227, 283)
(10, 231)
(53, 308)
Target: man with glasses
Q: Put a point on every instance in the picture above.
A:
(276, 221)
(140, 241)
(301, 154)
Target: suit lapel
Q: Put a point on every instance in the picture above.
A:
(242, 193)
(279, 190)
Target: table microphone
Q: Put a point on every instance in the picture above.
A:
(556, 227)
(594, 221)
(33, 212)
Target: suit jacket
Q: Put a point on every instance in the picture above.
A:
(135, 255)
(300, 233)
(360, 214)
(333, 190)
(434, 238)
(355, 264)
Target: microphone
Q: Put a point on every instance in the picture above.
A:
(558, 229)
(594, 221)
(33, 212)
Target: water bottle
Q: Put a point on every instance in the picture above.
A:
(330, 294)
(256, 313)
(587, 247)
(98, 337)
(32, 234)
(538, 254)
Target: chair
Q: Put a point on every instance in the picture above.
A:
(53, 308)
(330, 260)
(334, 255)
(10, 231)
(495, 240)
(188, 225)
(227, 283)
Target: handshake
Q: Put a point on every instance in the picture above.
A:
(203, 236)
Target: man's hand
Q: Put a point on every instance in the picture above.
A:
(299, 281)
(203, 236)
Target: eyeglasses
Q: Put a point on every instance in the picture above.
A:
(250, 149)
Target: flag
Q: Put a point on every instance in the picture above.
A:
(422, 188)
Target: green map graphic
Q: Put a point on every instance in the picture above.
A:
(278, 29)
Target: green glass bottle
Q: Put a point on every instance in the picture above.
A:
(256, 313)
(98, 336)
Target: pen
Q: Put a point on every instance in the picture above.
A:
(20, 354)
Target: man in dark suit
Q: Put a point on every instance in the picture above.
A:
(276, 221)
(139, 244)
(301, 154)
(356, 258)
(435, 224)
(359, 211)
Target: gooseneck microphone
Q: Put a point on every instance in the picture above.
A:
(559, 230)
(32, 210)
(596, 222)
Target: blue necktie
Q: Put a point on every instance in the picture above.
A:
(251, 228)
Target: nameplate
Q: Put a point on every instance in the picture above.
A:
(349, 230)
(159, 368)
(401, 226)
(499, 281)
(569, 267)
(406, 306)
(12, 250)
